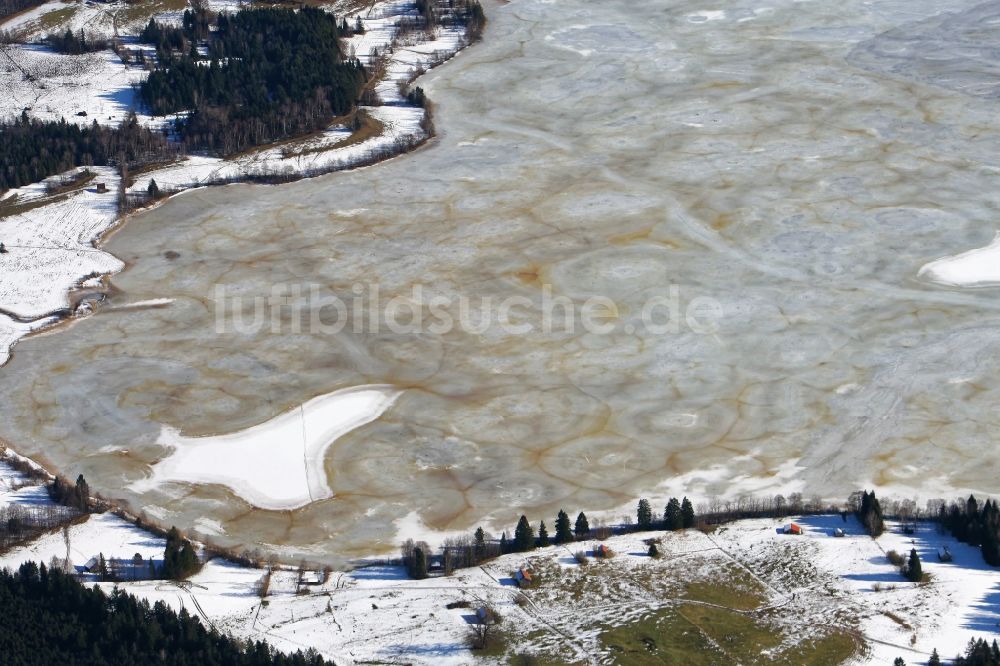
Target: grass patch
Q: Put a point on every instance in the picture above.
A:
(739, 635)
(9, 208)
(49, 21)
(747, 640)
(370, 127)
(738, 591)
(143, 11)
(662, 637)
(833, 649)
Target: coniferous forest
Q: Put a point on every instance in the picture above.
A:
(269, 75)
(975, 525)
(11, 7)
(31, 150)
(48, 617)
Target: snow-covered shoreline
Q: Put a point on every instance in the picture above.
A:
(815, 580)
(35, 294)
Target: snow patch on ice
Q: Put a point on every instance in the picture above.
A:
(975, 268)
(278, 464)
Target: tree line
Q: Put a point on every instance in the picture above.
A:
(50, 618)
(11, 7)
(464, 552)
(75, 44)
(32, 150)
(270, 74)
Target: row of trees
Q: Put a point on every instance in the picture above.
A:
(50, 618)
(32, 150)
(471, 551)
(75, 44)
(20, 523)
(973, 525)
(977, 653)
(75, 495)
(676, 516)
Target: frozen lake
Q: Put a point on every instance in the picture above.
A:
(794, 165)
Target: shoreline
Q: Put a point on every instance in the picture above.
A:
(52, 320)
(78, 306)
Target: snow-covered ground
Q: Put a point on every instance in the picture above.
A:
(809, 583)
(54, 86)
(827, 574)
(278, 464)
(975, 268)
(101, 20)
(50, 249)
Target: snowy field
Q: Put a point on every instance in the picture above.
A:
(101, 20)
(53, 86)
(807, 585)
(50, 241)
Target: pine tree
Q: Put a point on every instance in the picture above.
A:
(935, 659)
(102, 567)
(504, 546)
(524, 536)
(563, 532)
(543, 535)
(644, 516)
(913, 569)
(898, 661)
(687, 513)
(153, 190)
(582, 527)
(672, 519)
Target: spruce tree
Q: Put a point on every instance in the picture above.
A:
(419, 563)
(935, 659)
(672, 516)
(644, 516)
(153, 190)
(913, 569)
(543, 535)
(582, 527)
(563, 532)
(687, 513)
(653, 550)
(524, 536)
(480, 547)
(81, 494)
(504, 546)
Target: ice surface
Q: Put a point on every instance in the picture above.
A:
(756, 162)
